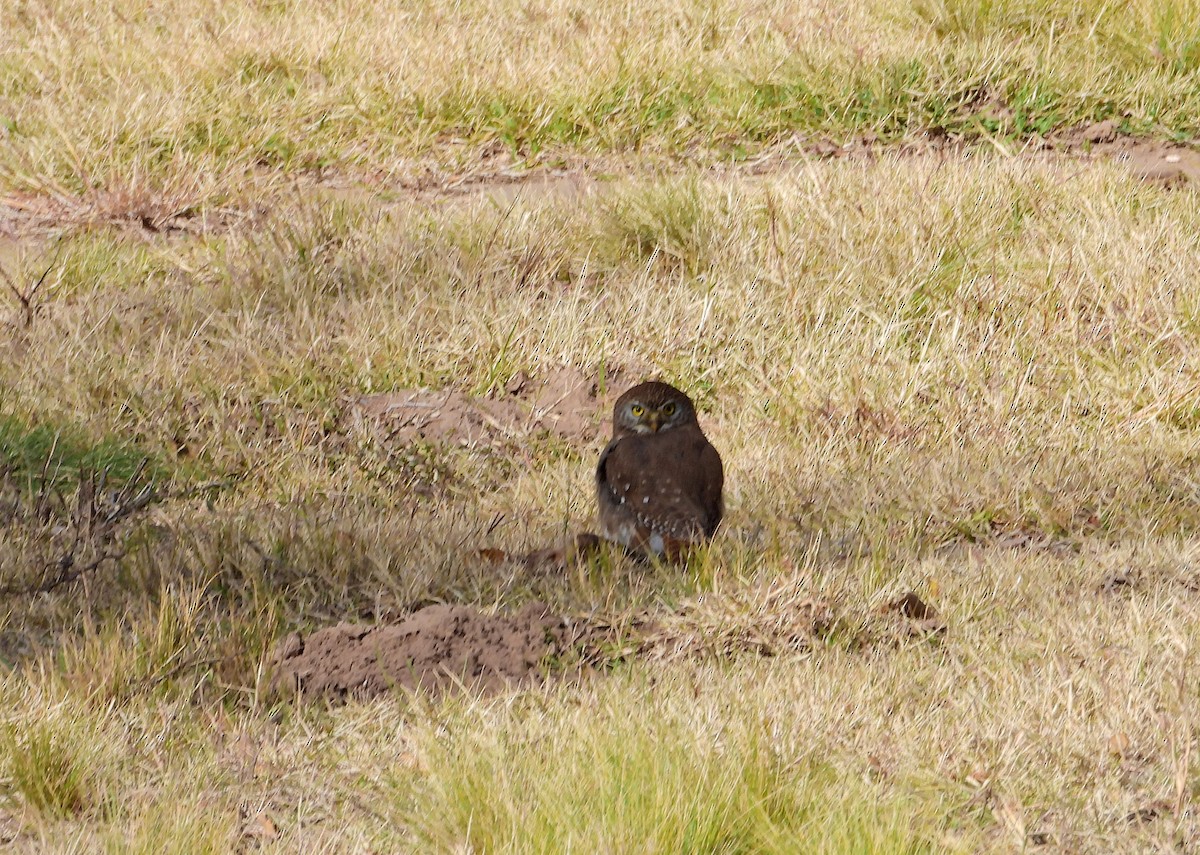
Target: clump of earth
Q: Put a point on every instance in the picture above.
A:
(436, 648)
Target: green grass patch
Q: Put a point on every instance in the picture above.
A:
(41, 455)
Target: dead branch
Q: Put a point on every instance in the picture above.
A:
(95, 519)
(26, 298)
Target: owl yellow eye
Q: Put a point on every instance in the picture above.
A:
(638, 411)
(668, 408)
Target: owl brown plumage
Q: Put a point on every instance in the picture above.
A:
(659, 480)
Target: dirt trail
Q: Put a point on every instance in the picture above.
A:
(32, 217)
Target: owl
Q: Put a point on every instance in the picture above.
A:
(659, 480)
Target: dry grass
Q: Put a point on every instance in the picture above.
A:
(156, 109)
(966, 376)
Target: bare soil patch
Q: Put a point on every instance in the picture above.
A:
(563, 402)
(140, 210)
(1155, 160)
(1161, 161)
(436, 648)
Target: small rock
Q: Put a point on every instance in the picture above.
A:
(1102, 132)
(925, 618)
(517, 384)
(912, 606)
(1113, 582)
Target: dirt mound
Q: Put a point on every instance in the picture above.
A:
(563, 402)
(444, 647)
(435, 648)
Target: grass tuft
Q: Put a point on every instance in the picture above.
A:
(634, 769)
(51, 763)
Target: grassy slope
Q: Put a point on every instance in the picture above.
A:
(967, 377)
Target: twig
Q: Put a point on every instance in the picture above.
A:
(89, 525)
(67, 573)
(207, 486)
(26, 298)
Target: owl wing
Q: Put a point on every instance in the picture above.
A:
(670, 482)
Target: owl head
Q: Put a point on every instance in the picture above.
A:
(650, 408)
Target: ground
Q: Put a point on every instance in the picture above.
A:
(313, 313)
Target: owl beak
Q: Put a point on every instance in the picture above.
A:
(655, 421)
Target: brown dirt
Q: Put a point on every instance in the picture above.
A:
(436, 648)
(141, 210)
(563, 402)
(1154, 160)
(1151, 160)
